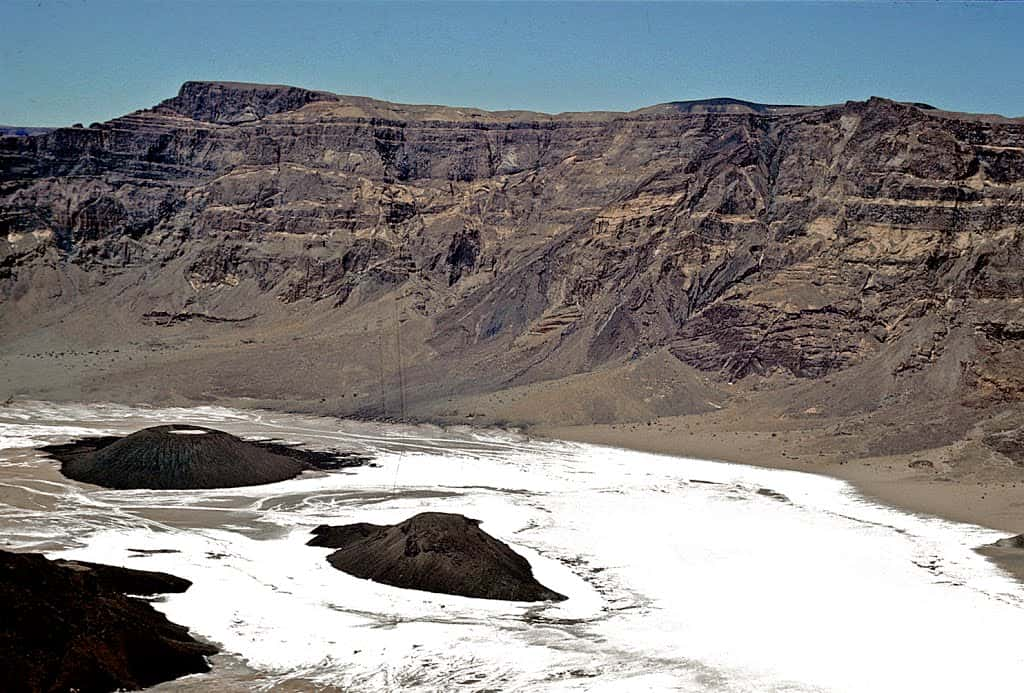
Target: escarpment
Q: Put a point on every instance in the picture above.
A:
(749, 243)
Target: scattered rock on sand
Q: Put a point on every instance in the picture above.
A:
(434, 552)
(68, 625)
(187, 457)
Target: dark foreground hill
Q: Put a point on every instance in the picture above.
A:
(68, 626)
(434, 552)
(854, 269)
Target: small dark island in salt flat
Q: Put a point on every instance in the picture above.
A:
(1008, 553)
(70, 626)
(187, 457)
(434, 552)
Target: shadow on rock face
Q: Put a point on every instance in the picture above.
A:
(68, 625)
(187, 457)
(434, 552)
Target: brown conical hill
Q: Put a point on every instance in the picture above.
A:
(434, 552)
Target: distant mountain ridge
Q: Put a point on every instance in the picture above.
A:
(722, 105)
(18, 131)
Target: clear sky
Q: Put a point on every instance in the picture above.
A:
(66, 61)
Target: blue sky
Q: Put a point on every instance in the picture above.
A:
(66, 61)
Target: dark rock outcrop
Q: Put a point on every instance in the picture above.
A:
(1014, 542)
(1009, 442)
(181, 457)
(231, 103)
(68, 626)
(129, 580)
(433, 552)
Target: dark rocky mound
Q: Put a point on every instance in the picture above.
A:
(68, 626)
(1015, 542)
(183, 457)
(1009, 442)
(434, 552)
(1007, 553)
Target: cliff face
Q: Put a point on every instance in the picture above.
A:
(875, 239)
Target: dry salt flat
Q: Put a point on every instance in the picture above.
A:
(682, 574)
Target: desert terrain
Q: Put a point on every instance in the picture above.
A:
(834, 289)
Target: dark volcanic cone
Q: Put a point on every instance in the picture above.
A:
(64, 627)
(434, 552)
(178, 457)
(184, 457)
